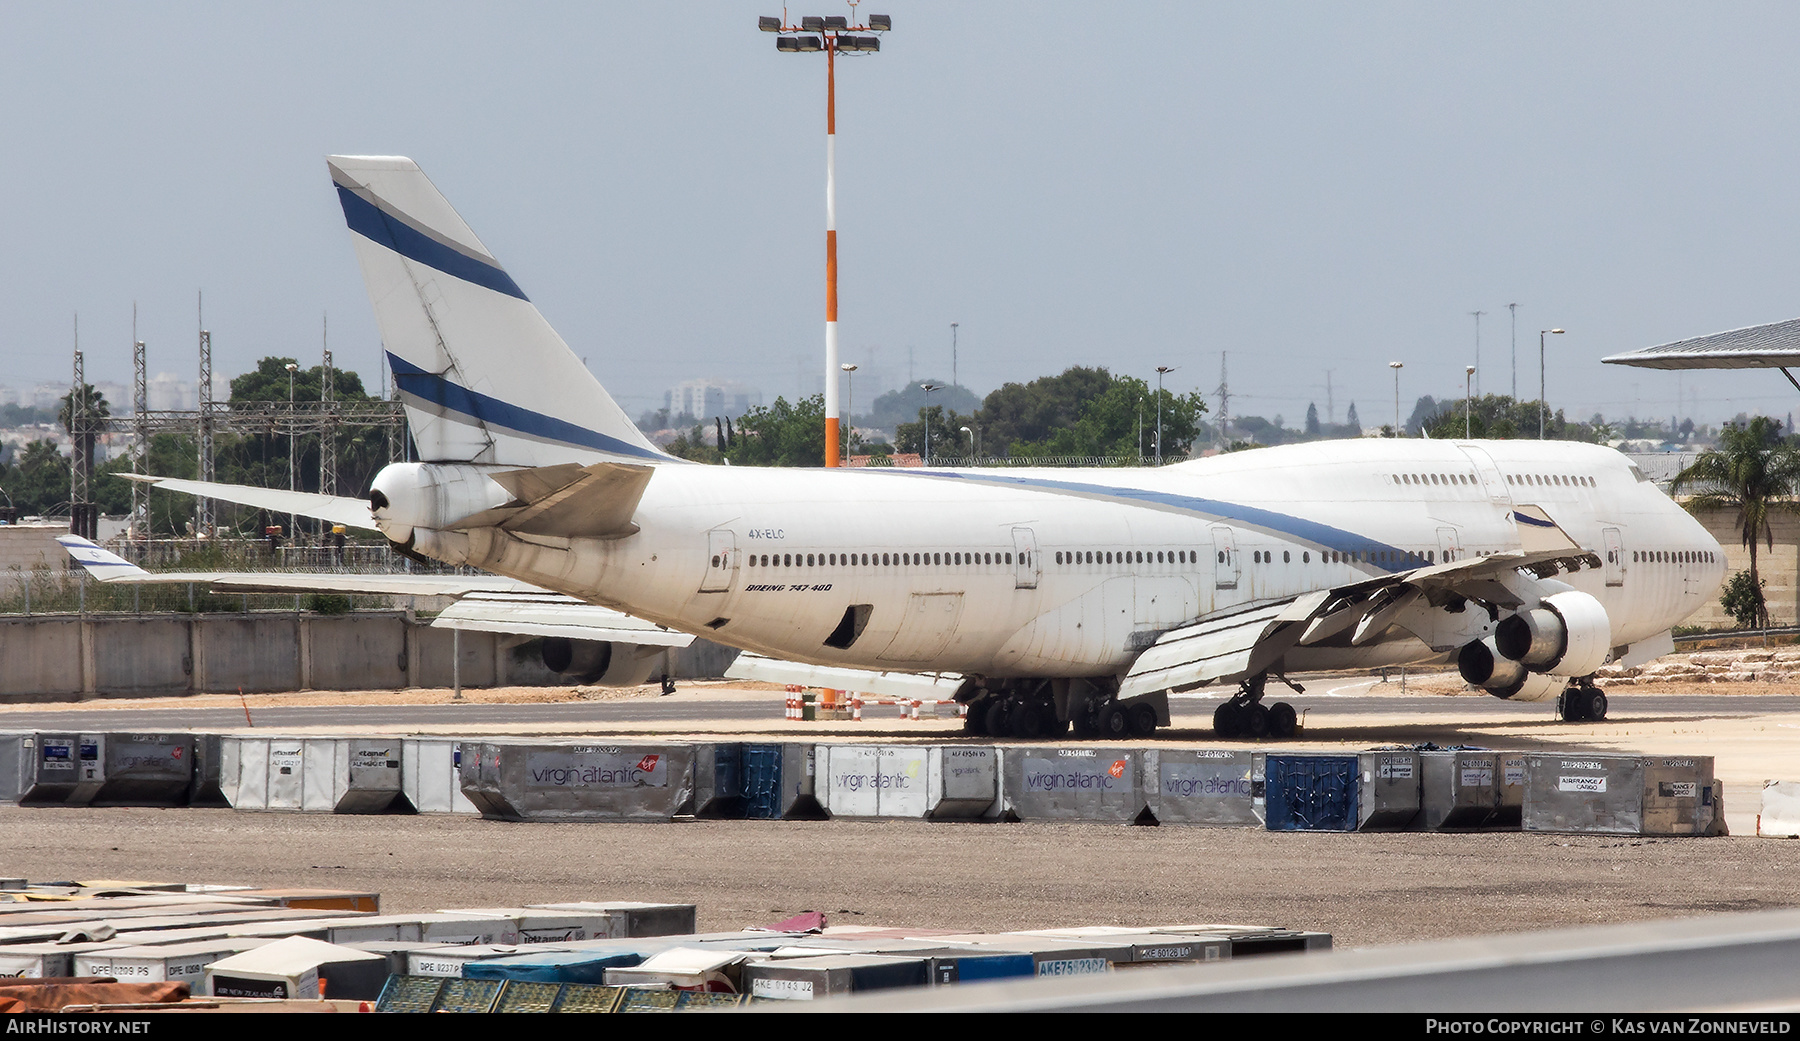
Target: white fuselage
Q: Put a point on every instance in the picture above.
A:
(1060, 572)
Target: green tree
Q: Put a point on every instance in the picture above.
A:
(1742, 599)
(38, 482)
(947, 438)
(1755, 472)
(780, 434)
(903, 405)
(1031, 413)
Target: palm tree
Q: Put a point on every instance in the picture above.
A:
(1754, 471)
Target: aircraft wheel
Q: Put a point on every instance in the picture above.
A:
(993, 717)
(1142, 718)
(1225, 720)
(1573, 705)
(1084, 724)
(1256, 721)
(976, 721)
(1026, 721)
(1112, 721)
(1054, 727)
(668, 685)
(1283, 720)
(1596, 706)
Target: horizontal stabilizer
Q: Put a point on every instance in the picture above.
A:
(547, 614)
(488, 603)
(334, 509)
(926, 685)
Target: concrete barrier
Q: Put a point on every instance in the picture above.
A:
(57, 655)
(1093, 784)
(42, 656)
(250, 652)
(147, 655)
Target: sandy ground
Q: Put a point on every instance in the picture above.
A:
(1365, 889)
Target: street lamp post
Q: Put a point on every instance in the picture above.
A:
(1161, 371)
(972, 442)
(849, 397)
(293, 520)
(1396, 366)
(953, 379)
(925, 417)
(830, 35)
(1543, 406)
(1468, 400)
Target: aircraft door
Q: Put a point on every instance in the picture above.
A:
(1614, 559)
(1491, 481)
(1026, 567)
(722, 561)
(1449, 545)
(1225, 558)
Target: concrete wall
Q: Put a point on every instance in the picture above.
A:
(47, 655)
(1779, 567)
(24, 547)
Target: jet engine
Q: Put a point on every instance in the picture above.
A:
(405, 496)
(1484, 666)
(1567, 634)
(600, 662)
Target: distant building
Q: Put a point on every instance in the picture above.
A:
(169, 393)
(705, 399)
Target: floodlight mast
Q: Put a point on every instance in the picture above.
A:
(831, 35)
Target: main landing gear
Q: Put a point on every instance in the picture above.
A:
(1246, 716)
(1035, 710)
(1582, 702)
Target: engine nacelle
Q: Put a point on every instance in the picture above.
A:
(405, 496)
(1567, 634)
(599, 662)
(1482, 665)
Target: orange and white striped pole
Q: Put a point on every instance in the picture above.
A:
(832, 375)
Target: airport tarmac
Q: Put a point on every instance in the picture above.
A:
(1365, 889)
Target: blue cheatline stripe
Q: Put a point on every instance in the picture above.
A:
(1322, 535)
(1533, 521)
(383, 228)
(429, 386)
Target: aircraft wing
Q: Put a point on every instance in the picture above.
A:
(485, 603)
(337, 509)
(1243, 642)
(752, 666)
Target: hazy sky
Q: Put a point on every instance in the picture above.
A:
(1313, 188)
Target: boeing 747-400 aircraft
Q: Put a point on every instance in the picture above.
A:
(1043, 597)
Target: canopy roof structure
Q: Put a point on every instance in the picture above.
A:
(1772, 346)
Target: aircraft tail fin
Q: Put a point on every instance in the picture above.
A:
(102, 564)
(484, 378)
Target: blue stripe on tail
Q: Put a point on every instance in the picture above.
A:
(429, 386)
(378, 226)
